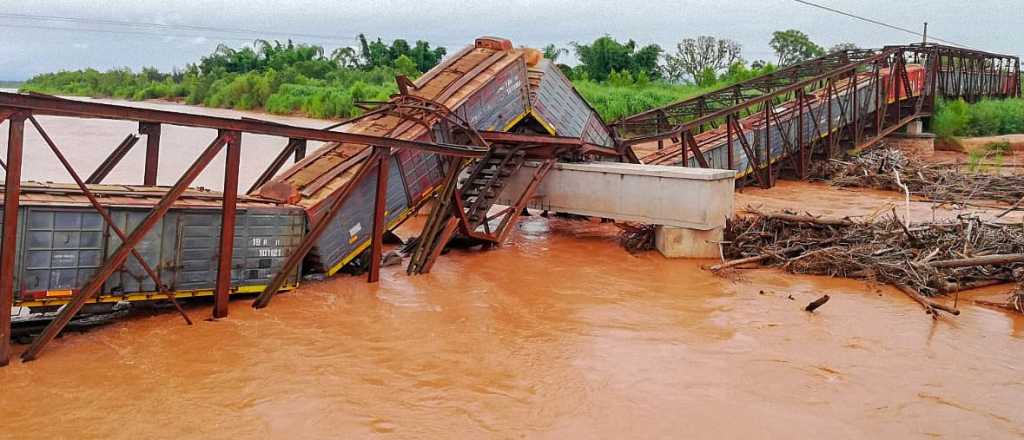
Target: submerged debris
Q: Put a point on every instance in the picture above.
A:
(922, 260)
(878, 168)
(636, 237)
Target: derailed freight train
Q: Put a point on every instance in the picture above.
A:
(62, 241)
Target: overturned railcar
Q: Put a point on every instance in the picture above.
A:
(490, 85)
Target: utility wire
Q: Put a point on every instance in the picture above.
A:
(879, 23)
(115, 31)
(170, 26)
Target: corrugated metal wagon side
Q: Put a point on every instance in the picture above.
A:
(63, 243)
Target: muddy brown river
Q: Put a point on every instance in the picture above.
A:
(559, 334)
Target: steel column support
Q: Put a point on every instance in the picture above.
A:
(769, 182)
(8, 249)
(300, 149)
(728, 142)
(152, 132)
(828, 105)
(380, 202)
(855, 104)
(118, 257)
(1017, 82)
(802, 149)
(879, 101)
(222, 291)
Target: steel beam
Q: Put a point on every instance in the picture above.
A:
(112, 160)
(300, 149)
(118, 257)
(225, 262)
(8, 249)
(65, 107)
(152, 132)
(278, 162)
(380, 203)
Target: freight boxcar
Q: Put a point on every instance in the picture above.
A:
(62, 241)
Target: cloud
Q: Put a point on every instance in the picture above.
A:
(199, 40)
(80, 46)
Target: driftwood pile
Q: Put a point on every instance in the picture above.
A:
(890, 169)
(922, 260)
(636, 237)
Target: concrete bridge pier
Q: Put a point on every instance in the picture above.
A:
(913, 140)
(690, 206)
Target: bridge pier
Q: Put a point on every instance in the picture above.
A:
(676, 242)
(689, 206)
(913, 140)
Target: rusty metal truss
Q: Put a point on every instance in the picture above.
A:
(845, 100)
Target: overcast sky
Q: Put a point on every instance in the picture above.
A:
(31, 46)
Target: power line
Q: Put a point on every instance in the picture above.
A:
(138, 28)
(879, 23)
(152, 25)
(114, 31)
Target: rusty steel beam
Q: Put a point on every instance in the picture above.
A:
(222, 290)
(65, 107)
(8, 249)
(380, 202)
(153, 275)
(117, 258)
(152, 132)
(278, 162)
(697, 154)
(310, 239)
(300, 149)
(112, 160)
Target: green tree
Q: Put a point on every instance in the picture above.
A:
(406, 66)
(843, 47)
(701, 58)
(605, 55)
(553, 52)
(793, 46)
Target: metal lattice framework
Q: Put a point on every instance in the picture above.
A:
(852, 98)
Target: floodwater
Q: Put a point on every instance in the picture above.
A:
(559, 334)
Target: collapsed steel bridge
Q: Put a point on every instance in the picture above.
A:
(451, 137)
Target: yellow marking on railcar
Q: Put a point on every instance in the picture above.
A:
(362, 247)
(150, 296)
(530, 112)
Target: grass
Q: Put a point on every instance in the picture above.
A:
(957, 118)
(992, 154)
(616, 101)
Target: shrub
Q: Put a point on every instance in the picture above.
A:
(985, 118)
